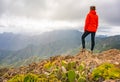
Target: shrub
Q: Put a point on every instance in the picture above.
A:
(30, 78)
(17, 78)
(106, 71)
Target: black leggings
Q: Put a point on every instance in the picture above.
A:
(92, 39)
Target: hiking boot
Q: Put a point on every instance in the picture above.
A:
(83, 50)
(91, 52)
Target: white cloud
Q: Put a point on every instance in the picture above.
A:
(25, 25)
(26, 16)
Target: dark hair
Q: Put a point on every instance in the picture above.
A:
(92, 8)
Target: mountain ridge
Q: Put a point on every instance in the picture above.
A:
(51, 44)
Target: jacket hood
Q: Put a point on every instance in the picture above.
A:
(93, 12)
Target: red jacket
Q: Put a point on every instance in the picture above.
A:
(91, 22)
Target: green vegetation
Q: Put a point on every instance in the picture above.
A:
(32, 78)
(17, 78)
(70, 72)
(71, 76)
(67, 73)
(106, 71)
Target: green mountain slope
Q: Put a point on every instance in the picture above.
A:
(54, 43)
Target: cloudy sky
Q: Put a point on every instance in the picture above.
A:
(38, 16)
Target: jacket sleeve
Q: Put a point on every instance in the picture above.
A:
(87, 22)
(97, 22)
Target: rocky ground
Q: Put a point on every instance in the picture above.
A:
(91, 60)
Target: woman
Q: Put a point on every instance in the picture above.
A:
(91, 25)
